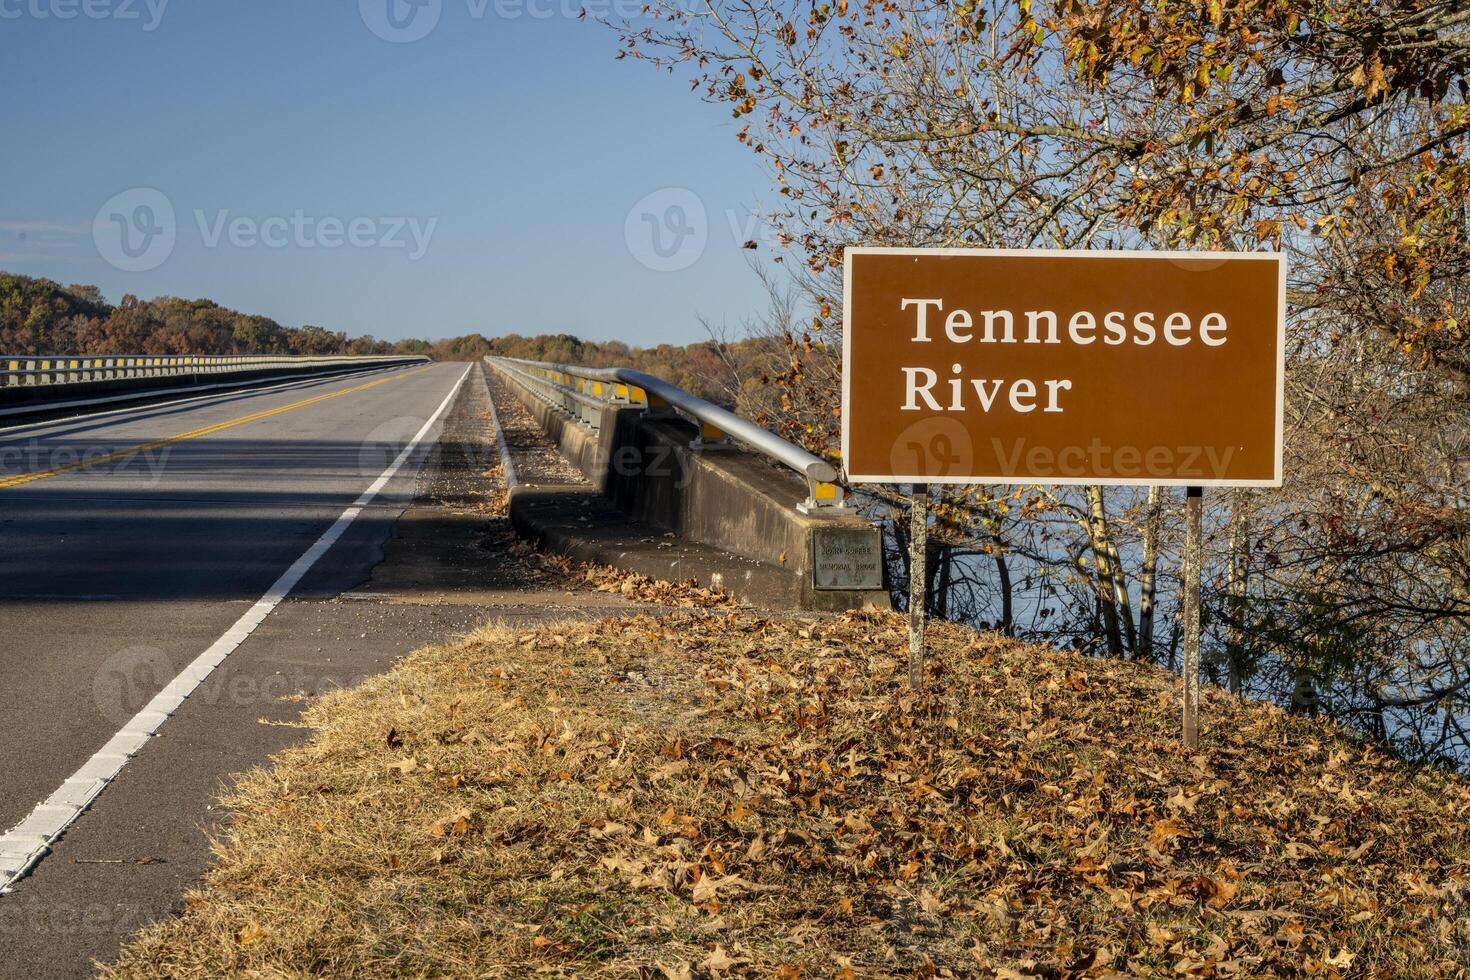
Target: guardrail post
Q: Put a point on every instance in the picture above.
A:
(657, 408)
(710, 437)
(824, 498)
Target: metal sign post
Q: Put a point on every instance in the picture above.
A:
(1193, 562)
(918, 579)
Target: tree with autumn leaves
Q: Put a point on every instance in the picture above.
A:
(1333, 130)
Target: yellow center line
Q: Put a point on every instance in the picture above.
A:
(84, 464)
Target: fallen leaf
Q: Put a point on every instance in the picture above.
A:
(719, 961)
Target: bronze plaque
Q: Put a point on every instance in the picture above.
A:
(847, 558)
(993, 366)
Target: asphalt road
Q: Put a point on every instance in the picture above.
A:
(117, 574)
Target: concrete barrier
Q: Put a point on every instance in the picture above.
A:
(27, 399)
(646, 467)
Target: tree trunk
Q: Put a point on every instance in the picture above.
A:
(940, 593)
(1123, 601)
(1304, 699)
(1006, 607)
(1147, 575)
(1097, 533)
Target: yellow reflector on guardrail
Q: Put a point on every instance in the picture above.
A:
(825, 491)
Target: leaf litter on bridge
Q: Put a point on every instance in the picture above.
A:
(537, 460)
(718, 794)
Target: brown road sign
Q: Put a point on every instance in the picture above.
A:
(992, 366)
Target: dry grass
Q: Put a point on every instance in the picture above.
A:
(711, 794)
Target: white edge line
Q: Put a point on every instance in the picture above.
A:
(507, 466)
(25, 844)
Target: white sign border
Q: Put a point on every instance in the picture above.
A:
(1278, 257)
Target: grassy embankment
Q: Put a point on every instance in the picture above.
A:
(716, 793)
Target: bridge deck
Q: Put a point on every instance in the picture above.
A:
(116, 576)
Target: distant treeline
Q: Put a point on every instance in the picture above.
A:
(38, 316)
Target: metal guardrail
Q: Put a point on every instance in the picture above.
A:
(583, 392)
(26, 370)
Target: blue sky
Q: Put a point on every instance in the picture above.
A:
(484, 177)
